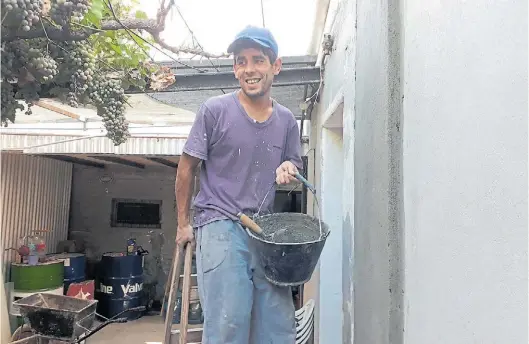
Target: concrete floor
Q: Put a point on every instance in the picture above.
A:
(146, 330)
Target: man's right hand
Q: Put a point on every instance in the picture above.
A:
(184, 234)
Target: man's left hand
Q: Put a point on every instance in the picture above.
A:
(285, 173)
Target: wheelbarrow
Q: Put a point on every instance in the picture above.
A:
(63, 319)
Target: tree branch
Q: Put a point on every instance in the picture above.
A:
(60, 34)
(163, 11)
(153, 26)
(182, 50)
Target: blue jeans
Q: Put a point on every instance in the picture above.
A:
(240, 306)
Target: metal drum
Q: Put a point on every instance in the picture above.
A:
(74, 267)
(37, 278)
(31, 279)
(119, 284)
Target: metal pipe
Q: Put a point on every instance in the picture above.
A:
(320, 19)
(329, 24)
(63, 141)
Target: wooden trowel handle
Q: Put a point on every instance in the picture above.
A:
(248, 222)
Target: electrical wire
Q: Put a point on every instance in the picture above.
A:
(195, 40)
(107, 3)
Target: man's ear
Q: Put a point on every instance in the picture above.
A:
(235, 69)
(278, 64)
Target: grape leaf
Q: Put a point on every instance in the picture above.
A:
(141, 15)
(96, 10)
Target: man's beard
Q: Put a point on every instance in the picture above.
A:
(259, 94)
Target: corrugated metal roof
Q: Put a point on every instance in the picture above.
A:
(140, 108)
(49, 144)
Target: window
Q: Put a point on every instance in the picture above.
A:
(136, 213)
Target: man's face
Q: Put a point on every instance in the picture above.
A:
(255, 72)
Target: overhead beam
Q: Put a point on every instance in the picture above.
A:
(226, 80)
(163, 161)
(57, 109)
(118, 160)
(73, 160)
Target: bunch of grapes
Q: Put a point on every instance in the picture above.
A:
(8, 62)
(9, 103)
(15, 57)
(109, 98)
(27, 12)
(43, 67)
(64, 10)
(81, 61)
(66, 68)
(30, 93)
(30, 55)
(79, 67)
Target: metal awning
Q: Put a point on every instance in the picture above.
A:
(226, 80)
(54, 144)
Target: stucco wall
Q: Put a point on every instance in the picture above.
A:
(377, 228)
(332, 137)
(435, 139)
(92, 203)
(465, 171)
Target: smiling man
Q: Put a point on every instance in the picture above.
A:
(246, 141)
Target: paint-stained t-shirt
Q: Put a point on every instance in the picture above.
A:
(240, 157)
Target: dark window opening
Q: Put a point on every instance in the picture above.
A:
(136, 213)
(287, 203)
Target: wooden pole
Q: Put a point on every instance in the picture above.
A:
(173, 281)
(186, 290)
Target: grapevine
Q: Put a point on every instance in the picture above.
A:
(67, 69)
(24, 12)
(62, 11)
(82, 52)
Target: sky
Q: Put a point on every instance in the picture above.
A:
(216, 22)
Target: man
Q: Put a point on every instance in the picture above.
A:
(246, 141)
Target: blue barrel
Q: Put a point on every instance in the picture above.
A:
(119, 285)
(74, 267)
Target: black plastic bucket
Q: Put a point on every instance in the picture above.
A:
(289, 263)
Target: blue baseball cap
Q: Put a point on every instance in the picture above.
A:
(258, 35)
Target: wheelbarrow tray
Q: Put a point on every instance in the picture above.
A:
(38, 339)
(57, 316)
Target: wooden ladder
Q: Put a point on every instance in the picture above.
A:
(185, 332)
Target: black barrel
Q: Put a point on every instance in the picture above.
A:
(119, 284)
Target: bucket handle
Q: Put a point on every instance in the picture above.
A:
(308, 185)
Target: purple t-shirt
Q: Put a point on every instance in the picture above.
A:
(240, 157)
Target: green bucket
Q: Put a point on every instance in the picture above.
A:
(40, 277)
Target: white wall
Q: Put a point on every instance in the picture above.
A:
(330, 197)
(435, 147)
(465, 171)
(332, 137)
(92, 204)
